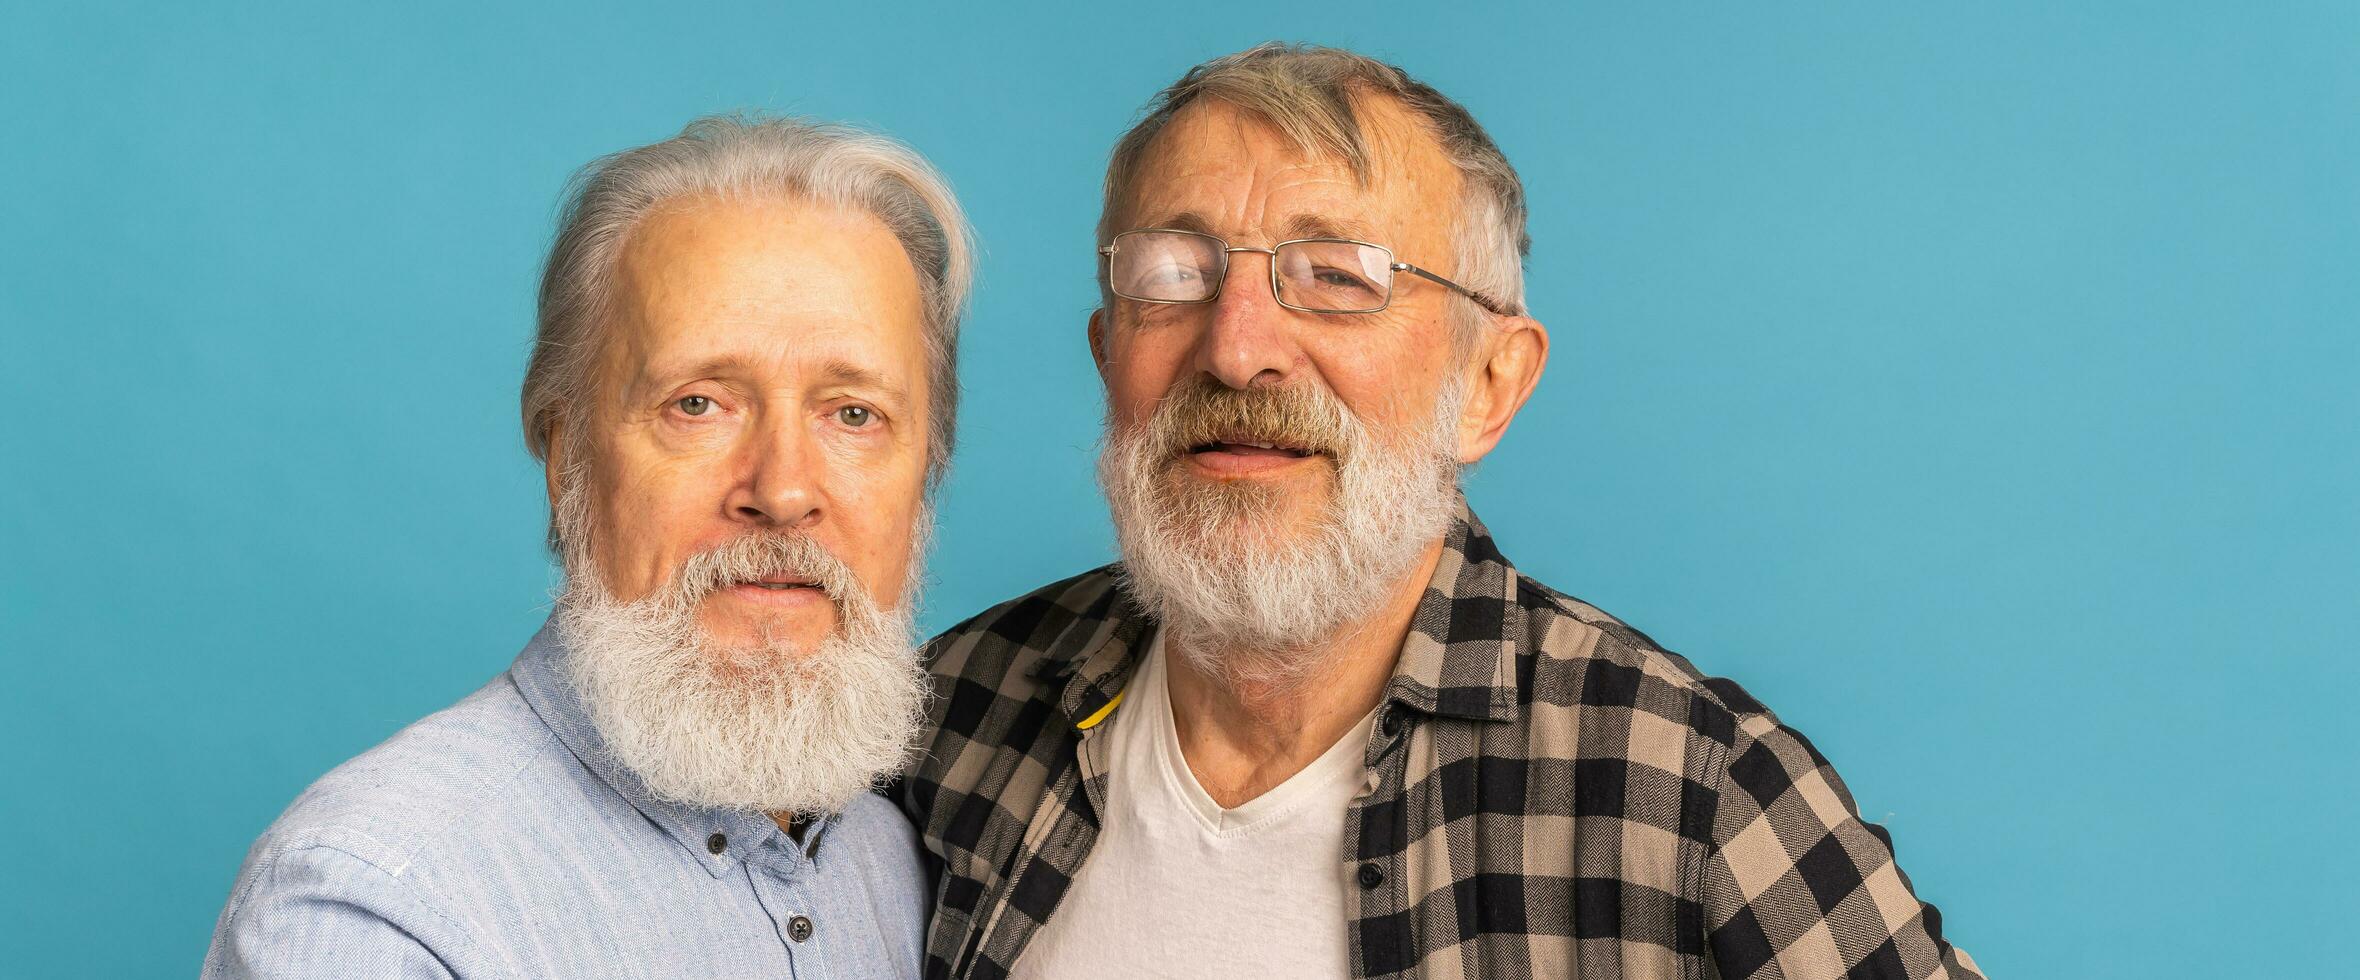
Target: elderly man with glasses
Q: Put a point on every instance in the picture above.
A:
(1314, 723)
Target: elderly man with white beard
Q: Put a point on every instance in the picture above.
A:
(742, 393)
(1314, 724)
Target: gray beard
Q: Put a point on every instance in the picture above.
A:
(1248, 594)
(771, 726)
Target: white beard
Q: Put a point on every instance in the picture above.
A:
(770, 726)
(1247, 593)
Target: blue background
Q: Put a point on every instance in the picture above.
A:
(1976, 386)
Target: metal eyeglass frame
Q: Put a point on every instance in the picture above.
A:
(1221, 277)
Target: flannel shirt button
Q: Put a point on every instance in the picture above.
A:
(1371, 876)
(799, 928)
(717, 843)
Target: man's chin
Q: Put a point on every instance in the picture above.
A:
(728, 624)
(1252, 511)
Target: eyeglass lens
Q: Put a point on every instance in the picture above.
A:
(1334, 277)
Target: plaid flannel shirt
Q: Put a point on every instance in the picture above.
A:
(1554, 795)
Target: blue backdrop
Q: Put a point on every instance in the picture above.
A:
(1975, 385)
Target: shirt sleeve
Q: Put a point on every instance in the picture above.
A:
(1799, 887)
(318, 911)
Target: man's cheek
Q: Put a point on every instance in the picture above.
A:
(655, 526)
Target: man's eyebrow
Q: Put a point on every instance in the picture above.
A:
(718, 365)
(1183, 221)
(845, 374)
(1322, 226)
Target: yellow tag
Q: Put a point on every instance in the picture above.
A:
(1100, 715)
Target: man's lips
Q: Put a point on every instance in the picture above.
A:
(1250, 449)
(777, 590)
(1242, 459)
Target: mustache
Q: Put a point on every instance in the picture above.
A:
(758, 555)
(1200, 411)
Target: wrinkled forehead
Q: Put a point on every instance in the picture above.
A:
(1222, 169)
(763, 289)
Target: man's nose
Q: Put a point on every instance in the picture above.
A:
(779, 471)
(1250, 339)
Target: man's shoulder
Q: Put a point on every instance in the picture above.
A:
(367, 851)
(996, 677)
(429, 787)
(1586, 657)
(1001, 647)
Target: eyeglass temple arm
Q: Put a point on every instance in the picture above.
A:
(1481, 300)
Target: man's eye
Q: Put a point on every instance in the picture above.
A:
(696, 405)
(1341, 279)
(854, 416)
(1169, 272)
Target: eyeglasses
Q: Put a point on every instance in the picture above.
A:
(1314, 275)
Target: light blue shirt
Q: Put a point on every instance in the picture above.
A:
(496, 839)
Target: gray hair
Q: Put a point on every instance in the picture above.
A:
(1308, 93)
(731, 156)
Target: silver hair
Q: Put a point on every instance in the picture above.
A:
(1309, 93)
(730, 156)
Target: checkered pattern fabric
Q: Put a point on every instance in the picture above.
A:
(1556, 795)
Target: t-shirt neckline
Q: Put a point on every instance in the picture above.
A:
(1338, 765)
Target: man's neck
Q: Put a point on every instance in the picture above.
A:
(1243, 737)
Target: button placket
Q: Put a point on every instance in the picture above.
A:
(785, 885)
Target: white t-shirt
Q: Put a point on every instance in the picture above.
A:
(1176, 886)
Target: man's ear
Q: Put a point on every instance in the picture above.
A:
(1506, 369)
(553, 462)
(1098, 341)
(553, 473)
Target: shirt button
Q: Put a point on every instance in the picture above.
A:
(717, 843)
(1371, 876)
(799, 928)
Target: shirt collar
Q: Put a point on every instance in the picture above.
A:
(1095, 663)
(1458, 659)
(745, 835)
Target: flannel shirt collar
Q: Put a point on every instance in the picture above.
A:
(1457, 661)
(1094, 658)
